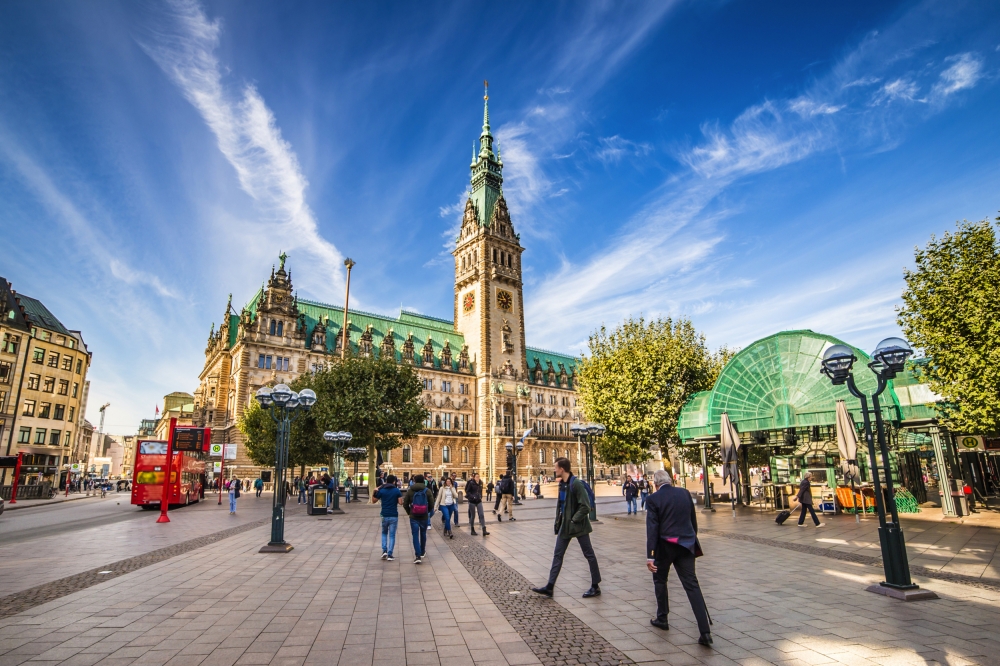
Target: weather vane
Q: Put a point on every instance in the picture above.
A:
(486, 84)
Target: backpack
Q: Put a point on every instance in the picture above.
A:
(419, 507)
(590, 492)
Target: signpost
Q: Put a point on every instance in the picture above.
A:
(15, 462)
(165, 498)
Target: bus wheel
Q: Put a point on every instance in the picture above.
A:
(148, 507)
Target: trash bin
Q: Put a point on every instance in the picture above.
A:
(316, 501)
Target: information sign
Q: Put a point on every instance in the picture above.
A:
(230, 451)
(8, 461)
(189, 439)
(215, 450)
(218, 467)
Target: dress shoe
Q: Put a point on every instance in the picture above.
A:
(705, 639)
(485, 533)
(659, 624)
(594, 591)
(547, 591)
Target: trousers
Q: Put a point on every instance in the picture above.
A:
(418, 528)
(802, 516)
(631, 505)
(389, 525)
(472, 515)
(507, 505)
(588, 552)
(232, 502)
(682, 559)
(447, 511)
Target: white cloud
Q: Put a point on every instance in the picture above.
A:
(898, 89)
(863, 81)
(613, 148)
(183, 45)
(964, 72)
(806, 107)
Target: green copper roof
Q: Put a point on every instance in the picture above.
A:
(543, 357)
(775, 383)
(487, 172)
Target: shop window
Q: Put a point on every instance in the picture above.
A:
(406, 454)
(427, 454)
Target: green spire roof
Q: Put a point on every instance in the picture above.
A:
(487, 171)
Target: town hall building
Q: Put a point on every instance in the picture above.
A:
(483, 385)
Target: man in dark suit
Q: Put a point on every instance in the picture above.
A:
(672, 539)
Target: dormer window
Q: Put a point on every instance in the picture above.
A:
(277, 327)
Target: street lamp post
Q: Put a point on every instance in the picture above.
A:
(356, 454)
(338, 440)
(587, 433)
(284, 405)
(514, 450)
(888, 360)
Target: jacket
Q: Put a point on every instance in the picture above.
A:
(507, 487)
(442, 491)
(805, 495)
(474, 491)
(671, 516)
(574, 518)
(408, 498)
(630, 490)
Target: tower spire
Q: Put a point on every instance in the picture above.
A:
(487, 170)
(486, 107)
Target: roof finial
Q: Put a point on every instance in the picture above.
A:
(486, 107)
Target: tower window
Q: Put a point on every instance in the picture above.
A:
(281, 325)
(494, 255)
(273, 325)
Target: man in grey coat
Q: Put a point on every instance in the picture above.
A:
(805, 498)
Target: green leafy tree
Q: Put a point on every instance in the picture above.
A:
(376, 400)
(305, 443)
(637, 378)
(951, 312)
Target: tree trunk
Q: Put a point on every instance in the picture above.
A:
(371, 469)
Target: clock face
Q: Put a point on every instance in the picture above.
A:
(469, 302)
(504, 300)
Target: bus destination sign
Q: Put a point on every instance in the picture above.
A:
(191, 439)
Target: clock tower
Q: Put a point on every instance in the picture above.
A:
(489, 305)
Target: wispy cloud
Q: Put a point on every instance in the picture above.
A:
(183, 45)
(964, 72)
(612, 149)
(898, 89)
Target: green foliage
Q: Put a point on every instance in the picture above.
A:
(951, 311)
(260, 432)
(636, 379)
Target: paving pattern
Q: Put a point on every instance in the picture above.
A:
(555, 635)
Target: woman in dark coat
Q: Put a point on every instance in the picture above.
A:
(805, 498)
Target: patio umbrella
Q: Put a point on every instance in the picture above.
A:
(729, 442)
(847, 442)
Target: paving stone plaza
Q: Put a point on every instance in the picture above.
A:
(777, 595)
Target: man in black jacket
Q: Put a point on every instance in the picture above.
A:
(672, 539)
(506, 494)
(474, 495)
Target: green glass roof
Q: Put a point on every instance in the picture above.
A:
(775, 383)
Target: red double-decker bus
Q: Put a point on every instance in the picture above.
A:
(187, 477)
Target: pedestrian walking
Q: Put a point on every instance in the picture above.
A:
(489, 492)
(631, 491)
(506, 495)
(497, 489)
(302, 486)
(258, 485)
(805, 498)
(572, 522)
(672, 539)
(643, 491)
(234, 494)
(474, 495)
(447, 504)
(418, 505)
(348, 487)
(390, 496)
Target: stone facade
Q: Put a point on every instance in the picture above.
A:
(483, 386)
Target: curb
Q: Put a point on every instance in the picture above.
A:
(8, 507)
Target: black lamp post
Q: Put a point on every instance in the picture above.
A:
(356, 454)
(587, 433)
(284, 406)
(888, 360)
(514, 450)
(338, 440)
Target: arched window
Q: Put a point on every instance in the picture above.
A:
(427, 454)
(541, 456)
(274, 323)
(281, 325)
(465, 455)
(446, 454)
(407, 454)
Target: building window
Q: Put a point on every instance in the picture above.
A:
(79, 366)
(281, 327)
(34, 382)
(54, 437)
(68, 440)
(429, 421)
(10, 342)
(539, 398)
(49, 385)
(465, 455)
(71, 343)
(3, 400)
(427, 454)
(40, 435)
(274, 325)
(541, 456)
(437, 420)
(428, 384)
(67, 363)
(44, 409)
(63, 387)
(38, 356)
(24, 437)
(76, 387)
(53, 360)
(560, 428)
(72, 413)
(446, 454)
(5, 371)
(29, 408)
(406, 454)
(446, 387)
(59, 412)
(447, 422)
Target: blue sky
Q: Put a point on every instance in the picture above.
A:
(756, 167)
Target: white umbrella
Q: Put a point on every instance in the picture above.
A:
(847, 442)
(729, 444)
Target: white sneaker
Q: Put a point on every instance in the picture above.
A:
(821, 525)
(416, 560)
(384, 555)
(802, 524)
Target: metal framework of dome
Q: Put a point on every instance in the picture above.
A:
(775, 384)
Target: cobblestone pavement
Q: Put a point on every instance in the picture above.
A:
(86, 541)
(333, 601)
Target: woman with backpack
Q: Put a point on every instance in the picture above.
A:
(418, 506)
(447, 503)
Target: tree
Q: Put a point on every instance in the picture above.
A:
(637, 378)
(376, 400)
(260, 434)
(951, 312)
